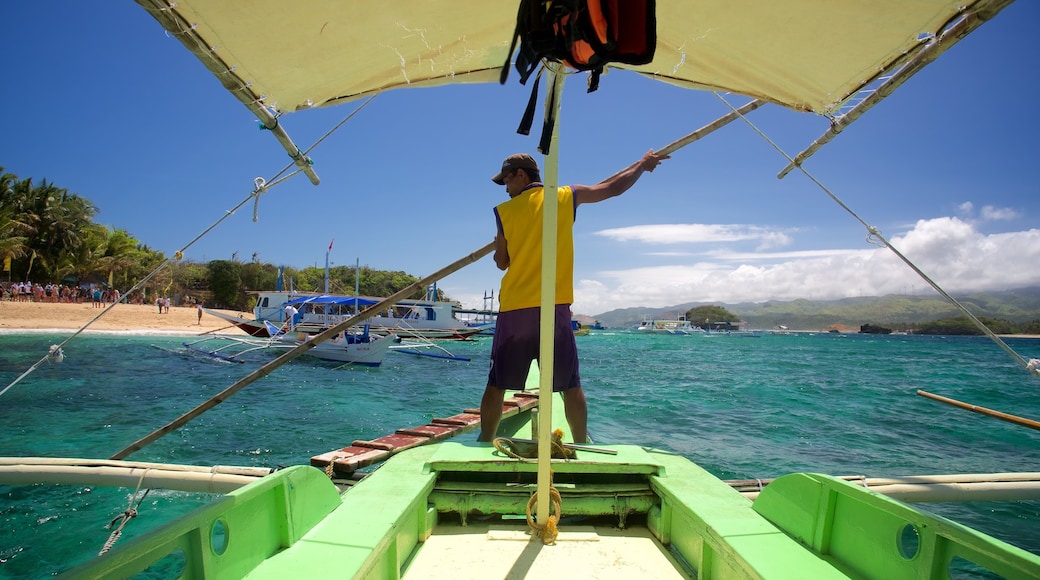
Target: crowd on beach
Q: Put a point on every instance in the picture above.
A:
(29, 292)
(63, 293)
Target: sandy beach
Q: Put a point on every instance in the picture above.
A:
(31, 316)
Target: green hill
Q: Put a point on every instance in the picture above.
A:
(894, 311)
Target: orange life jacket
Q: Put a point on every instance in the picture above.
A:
(582, 34)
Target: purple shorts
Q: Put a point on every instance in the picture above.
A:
(515, 346)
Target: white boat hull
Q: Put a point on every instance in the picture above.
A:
(370, 353)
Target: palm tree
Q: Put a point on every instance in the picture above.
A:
(46, 223)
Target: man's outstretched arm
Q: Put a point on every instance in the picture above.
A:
(618, 183)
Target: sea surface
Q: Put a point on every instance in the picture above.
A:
(741, 407)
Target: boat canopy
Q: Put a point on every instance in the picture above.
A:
(806, 55)
(325, 299)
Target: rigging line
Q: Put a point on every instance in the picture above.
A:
(58, 346)
(873, 231)
(341, 123)
(276, 178)
(260, 187)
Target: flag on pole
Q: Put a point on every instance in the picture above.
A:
(330, 244)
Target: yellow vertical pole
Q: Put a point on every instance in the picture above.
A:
(547, 323)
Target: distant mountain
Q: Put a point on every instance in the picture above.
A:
(893, 311)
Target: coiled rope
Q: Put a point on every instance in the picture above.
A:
(548, 531)
(873, 233)
(527, 451)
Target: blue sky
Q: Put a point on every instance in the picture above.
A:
(100, 101)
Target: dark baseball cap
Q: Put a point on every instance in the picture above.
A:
(517, 161)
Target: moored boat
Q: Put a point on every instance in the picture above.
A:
(408, 318)
(359, 348)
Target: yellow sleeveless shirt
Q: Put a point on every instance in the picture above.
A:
(521, 223)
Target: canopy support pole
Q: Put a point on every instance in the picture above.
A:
(547, 322)
(183, 32)
(974, 18)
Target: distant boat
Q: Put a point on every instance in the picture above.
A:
(677, 326)
(579, 329)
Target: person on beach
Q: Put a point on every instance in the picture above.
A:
(518, 252)
(198, 308)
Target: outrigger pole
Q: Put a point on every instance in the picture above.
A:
(983, 410)
(382, 305)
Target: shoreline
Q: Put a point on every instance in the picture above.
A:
(140, 319)
(134, 319)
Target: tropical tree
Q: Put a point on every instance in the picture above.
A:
(44, 223)
(257, 276)
(12, 228)
(712, 315)
(225, 281)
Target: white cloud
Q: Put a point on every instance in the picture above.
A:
(697, 233)
(991, 213)
(949, 250)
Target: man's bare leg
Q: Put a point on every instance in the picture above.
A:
(491, 412)
(577, 412)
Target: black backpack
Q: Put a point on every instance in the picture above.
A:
(582, 34)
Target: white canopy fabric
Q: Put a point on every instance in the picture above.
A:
(806, 55)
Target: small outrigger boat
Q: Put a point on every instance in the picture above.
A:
(356, 346)
(447, 506)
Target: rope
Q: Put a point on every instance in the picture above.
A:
(330, 469)
(527, 451)
(260, 187)
(874, 233)
(524, 450)
(128, 514)
(549, 530)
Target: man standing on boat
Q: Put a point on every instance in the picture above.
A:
(518, 251)
(290, 317)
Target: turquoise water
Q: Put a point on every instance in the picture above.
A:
(740, 407)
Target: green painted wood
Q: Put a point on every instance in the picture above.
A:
(716, 530)
(293, 524)
(374, 531)
(260, 520)
(874, 536)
